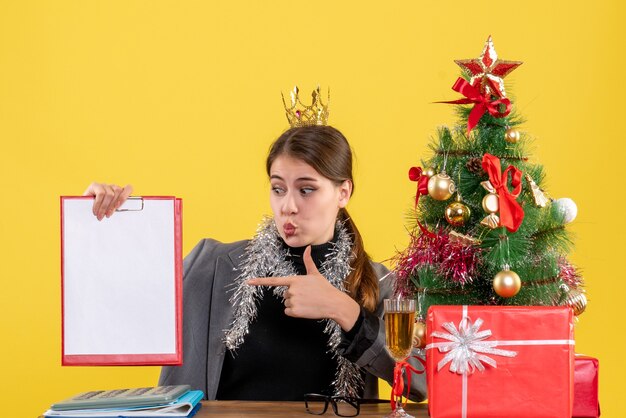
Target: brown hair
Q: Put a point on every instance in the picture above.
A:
(326, 150)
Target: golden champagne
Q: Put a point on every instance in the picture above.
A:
(399, 328)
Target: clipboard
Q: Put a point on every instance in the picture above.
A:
(121, 283)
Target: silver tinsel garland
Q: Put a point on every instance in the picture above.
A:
(265, 256)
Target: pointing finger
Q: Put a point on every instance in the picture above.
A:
(270, 281)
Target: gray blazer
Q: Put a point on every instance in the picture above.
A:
(208, 273)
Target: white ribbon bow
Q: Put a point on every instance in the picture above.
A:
(467, 348)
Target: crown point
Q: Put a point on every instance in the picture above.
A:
(294, 96)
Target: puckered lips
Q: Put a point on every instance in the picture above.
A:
(289, 229)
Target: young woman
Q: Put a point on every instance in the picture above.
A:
(297, 309)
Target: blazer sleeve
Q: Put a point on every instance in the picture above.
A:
(198, 276)
(365, 346)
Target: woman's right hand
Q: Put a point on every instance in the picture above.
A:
(108, 198)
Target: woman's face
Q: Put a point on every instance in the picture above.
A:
(305, 203)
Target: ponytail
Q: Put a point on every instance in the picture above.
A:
(362, 282)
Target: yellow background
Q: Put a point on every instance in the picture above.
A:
(182, 98)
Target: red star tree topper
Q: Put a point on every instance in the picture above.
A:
(488, 71)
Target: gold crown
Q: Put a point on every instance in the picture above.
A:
(315, 114)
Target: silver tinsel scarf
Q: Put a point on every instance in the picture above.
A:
(265, 256)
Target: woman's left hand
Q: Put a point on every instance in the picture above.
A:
(312, 296)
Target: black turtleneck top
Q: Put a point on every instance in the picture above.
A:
(282, 358)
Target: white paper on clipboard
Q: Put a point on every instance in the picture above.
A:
(122, 282)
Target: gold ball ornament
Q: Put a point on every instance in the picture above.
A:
(441, 187)
(577, 300)
(429, 172)
(457, 213)
(419, 337)
(507, 283)
(491, 203)
(511, 136)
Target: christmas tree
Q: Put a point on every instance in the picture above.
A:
(483, 230)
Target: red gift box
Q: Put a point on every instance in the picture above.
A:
(500, 361)
(586, 402)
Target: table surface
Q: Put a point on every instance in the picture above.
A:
(250, 409)
(255, 409)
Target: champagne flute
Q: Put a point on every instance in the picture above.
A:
(399, 330)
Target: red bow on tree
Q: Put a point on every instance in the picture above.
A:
(482, 103)
(511, 212)
(415, 174)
